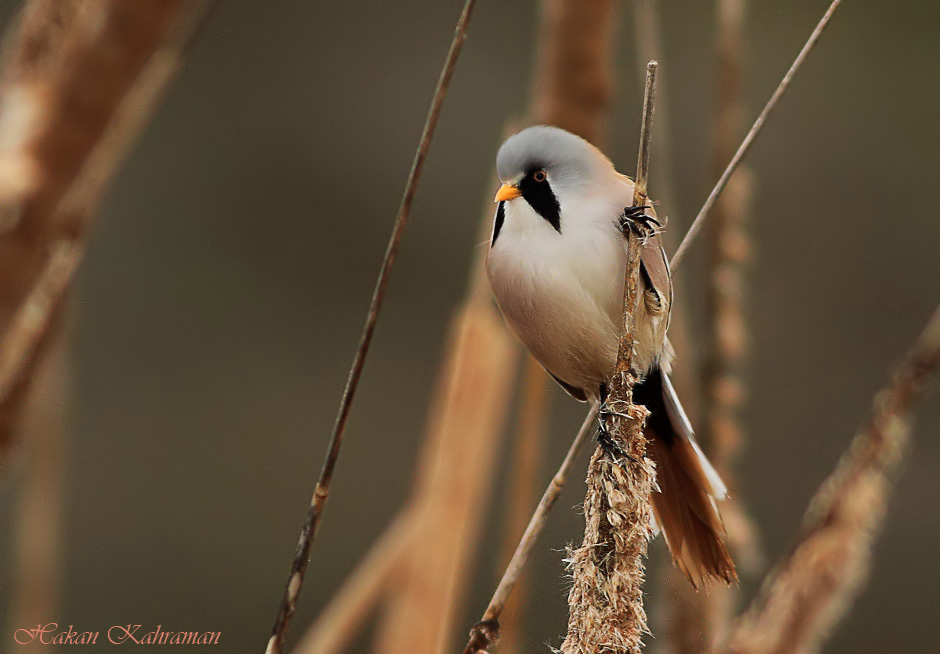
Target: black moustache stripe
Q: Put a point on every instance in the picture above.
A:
(540, 197)
(498, 225)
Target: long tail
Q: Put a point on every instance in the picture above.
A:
(688, 486)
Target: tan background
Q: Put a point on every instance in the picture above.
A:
(226, 284)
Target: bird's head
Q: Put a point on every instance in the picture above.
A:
(544, 166)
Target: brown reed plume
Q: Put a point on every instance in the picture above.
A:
(605, 604)
(696, 620)
(321, 493)
(454, 480)
(78, 85)
(485, 634)
(813, 586)
(421, 562)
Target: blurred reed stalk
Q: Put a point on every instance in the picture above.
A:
(696, 620)
(751, 135)
(37, 541)
(572, 90)
(80, 81)
(421, 562)
(339, 622)
(527, 447)
(77, 87)
(321, 493)
(486, 633)
(814, 585)
(605, 604)
(455, 479)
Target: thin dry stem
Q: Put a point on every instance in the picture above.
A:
(486, 633)
(751, 135)
(815, 584)
(295, 579)
(605, 603)
(530, 435)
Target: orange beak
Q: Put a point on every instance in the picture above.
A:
(507, 192)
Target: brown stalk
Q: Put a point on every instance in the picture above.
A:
(751, 135)
(698, 620)
(813, 586)
(79, 83)
(485, 634)
(424, 528)
(527, 454)
(573, 80)
(606, 598)
(295, 579)
(453, 485)
(37, 525)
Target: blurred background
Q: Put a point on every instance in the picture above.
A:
(230, 270)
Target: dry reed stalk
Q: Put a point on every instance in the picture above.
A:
(78, 86)
(813, 586)
(527, 454)
(485, 634)
(573, 79)
(697, 620)
(745, 146)
(454, 481)
(606, 599)
(338, 623)
(408, 538)
(37, 532)
(301, 559)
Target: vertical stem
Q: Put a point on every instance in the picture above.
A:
(606, 600)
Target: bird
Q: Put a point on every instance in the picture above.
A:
(555, 262)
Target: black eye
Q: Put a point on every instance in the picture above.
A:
(539, 175)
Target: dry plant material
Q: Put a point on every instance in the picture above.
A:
(573, 80)
(527, 448)
(485, 634)
(454, 479)
(813, 586)
(606, 599)
(697, 620)
(295, 579)
(80, 79)
(36, 560)
(337, 624)
(751, 135)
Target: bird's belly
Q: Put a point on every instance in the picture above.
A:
(568, 313)
(562, 319)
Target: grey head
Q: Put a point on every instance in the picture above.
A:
(567, 159)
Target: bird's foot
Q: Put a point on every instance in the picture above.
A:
(635, 220)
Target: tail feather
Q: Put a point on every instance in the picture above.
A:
(688, 486)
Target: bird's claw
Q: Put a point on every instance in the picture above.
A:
(635, 220)
(605, 440)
